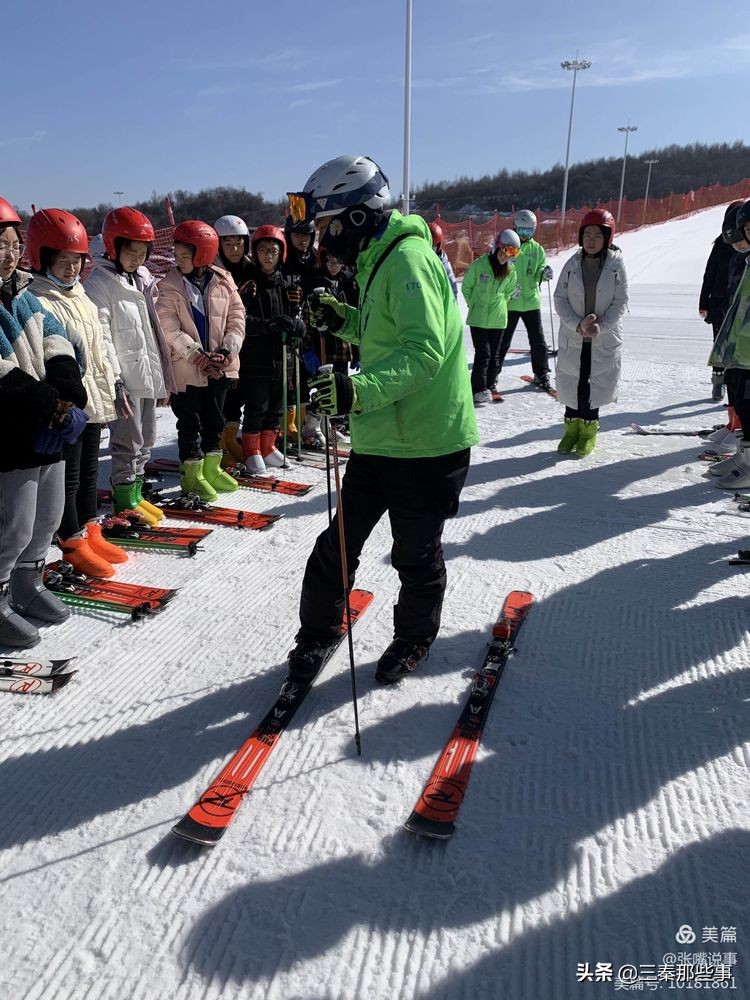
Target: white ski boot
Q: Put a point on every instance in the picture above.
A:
(738, 476)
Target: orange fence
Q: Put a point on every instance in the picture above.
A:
(466, 240)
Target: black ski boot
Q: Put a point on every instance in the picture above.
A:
(401, 657)
(15, 631)
(542, 382)
(309, 657)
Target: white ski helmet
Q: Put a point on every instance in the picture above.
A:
(507, 238)
(231, 225)
(345, 182)
(524, 219)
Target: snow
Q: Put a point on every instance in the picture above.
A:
(608, 805)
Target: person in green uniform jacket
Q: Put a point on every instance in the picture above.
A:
(411, 413)
(531, 269)
(489, 285)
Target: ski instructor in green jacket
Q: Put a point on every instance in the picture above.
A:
(411, 411)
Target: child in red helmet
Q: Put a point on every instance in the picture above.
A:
(57, 247)
(204, 322)
(590, 298)
(271, 325)
(124, 292)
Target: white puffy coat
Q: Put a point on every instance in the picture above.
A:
(125, 315)
(606, 349)
(80, 317)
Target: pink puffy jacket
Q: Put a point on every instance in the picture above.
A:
(226, 324)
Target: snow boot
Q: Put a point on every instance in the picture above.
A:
(400, 659)
(101, 547)
(727, 464)
(125, 497)
(251, 456)
(15, 631)
(542, 382)
(309, 657)
(587, 437)
(230, 446)
(570, 437)
(272, 458)
(215, 476)
(192, 480)
(77, 551)
(717, 391)
(30, 598)
(737, 476)
(483, 396)
(145, 504)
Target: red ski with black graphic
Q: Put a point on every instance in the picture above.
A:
(530, 381)
(190, 508)
(436, 812)
(209, 818)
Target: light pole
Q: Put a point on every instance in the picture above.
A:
(648, 184)
(119, 195)
(627, 129)
(407, 111)
(575, 65)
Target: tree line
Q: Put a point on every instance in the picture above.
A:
(680, 169)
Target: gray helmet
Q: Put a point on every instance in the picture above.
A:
(346, 182)
(524, 219)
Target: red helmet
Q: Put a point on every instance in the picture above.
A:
(8, 215)
(58, 230)
(269, 233)
(203, 238)
(125, 224)
(598, 217)
(437, 233)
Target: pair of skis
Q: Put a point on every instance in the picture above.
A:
(140, 536)
(262, 484)
(189, 507)
(435, 813)
(98, 594)
(22, 676)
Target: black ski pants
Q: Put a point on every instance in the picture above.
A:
(263, 398)
(486, 357)
(739, 396)
(532, 320)
(200, 418)
(81, 471)
(584, 410)
(418, 494)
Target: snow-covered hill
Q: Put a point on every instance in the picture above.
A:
(608, 805)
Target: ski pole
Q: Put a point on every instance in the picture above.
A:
(297, 405)
(327, 370)
(552, 327)
(284, 395)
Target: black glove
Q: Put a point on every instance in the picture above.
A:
(334, 394)
(290, 328)
(324, 311)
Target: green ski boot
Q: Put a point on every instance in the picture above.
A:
(587, 437)
(570, 437)
(215, 476)
(192, 480)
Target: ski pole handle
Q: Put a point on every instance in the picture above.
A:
(325, 369)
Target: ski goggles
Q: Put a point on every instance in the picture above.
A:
(300, 206)
(509, 251)
(525, 232)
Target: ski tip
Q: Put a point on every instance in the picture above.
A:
(60, 680)
(198, 833)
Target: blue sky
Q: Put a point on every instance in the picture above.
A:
(144, 97)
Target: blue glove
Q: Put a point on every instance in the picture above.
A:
(72, 424)
(334, 394)
(49, 440)
(311, 361)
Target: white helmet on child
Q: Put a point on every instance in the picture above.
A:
(524, 219)
(231, 225)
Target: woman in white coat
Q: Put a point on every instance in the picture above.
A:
(590, 298)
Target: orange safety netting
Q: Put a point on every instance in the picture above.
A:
(467, 239)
